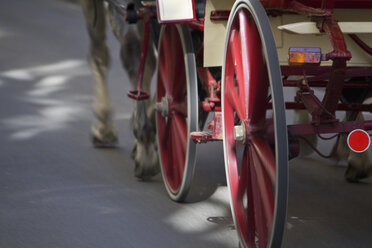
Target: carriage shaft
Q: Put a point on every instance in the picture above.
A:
(328, 128)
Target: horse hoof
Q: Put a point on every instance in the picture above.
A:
(106, 139)
(145, 173)
(354, 174)
(104, 143)
(146, 161)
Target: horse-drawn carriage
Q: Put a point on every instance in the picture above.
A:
(232, 59)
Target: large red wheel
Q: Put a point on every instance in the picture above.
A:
(177, 107)
(255, 136)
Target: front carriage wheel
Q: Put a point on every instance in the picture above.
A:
(255, 135)
(177, 109)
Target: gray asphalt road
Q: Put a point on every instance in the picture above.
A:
(56, 190)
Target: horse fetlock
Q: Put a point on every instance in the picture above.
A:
(143, 127)
(145, 134)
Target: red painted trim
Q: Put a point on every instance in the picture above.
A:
(220, 15)
(198, 25)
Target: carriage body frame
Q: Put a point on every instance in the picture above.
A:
(331, 71)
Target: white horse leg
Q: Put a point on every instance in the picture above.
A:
(143, 118)
(303, 117)
(103, 129)
(143, 122)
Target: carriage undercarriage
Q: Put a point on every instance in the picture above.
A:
(267, 45)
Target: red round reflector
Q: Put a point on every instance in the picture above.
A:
(358, 140)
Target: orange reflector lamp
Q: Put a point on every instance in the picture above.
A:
(304, 55)
(358, 140)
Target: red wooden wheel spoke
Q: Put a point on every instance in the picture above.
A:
(265, 188)
(178, 146)
(180, 108)
(164, 132)
(245, 214)
(246, 70)
(256, 68)
(236, 52)
(235, 102)
(243, 177)
(251, 227)
(163, 77)
(164, 135)
(264, 152)
(179, 91)
(176, 63)
(260, 221)
(176, 53)
(169, 56)
(181, 130)
(171, 170)
(167, 59)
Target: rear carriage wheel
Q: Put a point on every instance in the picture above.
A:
(177, 108)
(255, 135)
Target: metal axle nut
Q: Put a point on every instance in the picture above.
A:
(162, 107)
(239, 133)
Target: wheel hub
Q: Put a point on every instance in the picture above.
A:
(244, 131)
(240, 132)
(163, 106)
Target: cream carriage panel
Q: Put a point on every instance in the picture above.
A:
(214, 33)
